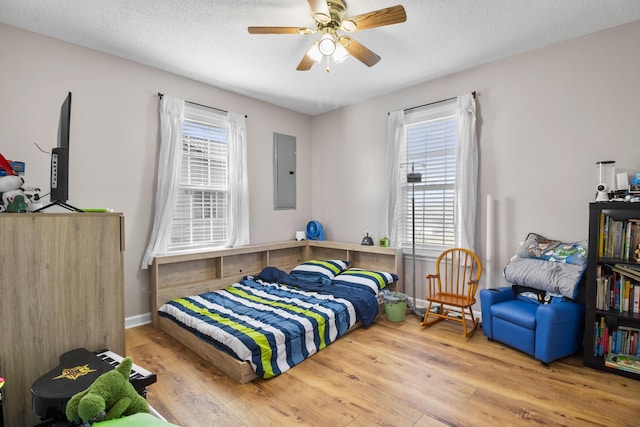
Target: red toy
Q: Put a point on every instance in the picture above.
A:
(14, 198)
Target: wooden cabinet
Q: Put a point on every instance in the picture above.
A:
(612, 325)
(62, 287)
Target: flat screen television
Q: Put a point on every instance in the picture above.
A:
(59, 193)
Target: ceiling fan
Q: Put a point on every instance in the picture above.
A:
(329, 16)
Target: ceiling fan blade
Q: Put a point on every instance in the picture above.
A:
(359, 51)
(320, 11)
(377, 18)
(279, 30)
(305, 64)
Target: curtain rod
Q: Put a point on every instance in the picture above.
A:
(201, 105)
(436, 102)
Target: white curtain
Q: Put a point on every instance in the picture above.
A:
(171, 118)
(238, 223)
(395, 139)
(466, 172)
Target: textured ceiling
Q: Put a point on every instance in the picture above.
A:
(207, 40)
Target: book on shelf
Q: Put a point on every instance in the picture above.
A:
(615, 238)
(628, 340)
(635, 238)
(624, 294)
(623, 362)
(618, 238)
(626, 245)
(617, 340)
(622, 288)
(603, 284)
(599, 338)
(601, 233)
(633, 271)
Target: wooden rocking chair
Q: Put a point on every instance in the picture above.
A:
(454, 288)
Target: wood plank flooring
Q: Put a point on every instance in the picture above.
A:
(390, 374)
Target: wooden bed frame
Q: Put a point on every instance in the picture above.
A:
(175, 276)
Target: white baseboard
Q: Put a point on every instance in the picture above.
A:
(139, 320)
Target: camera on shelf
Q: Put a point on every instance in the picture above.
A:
(602, 194)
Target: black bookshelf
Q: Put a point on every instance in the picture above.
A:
(611, 318)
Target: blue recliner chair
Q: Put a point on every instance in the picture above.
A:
(545, 331)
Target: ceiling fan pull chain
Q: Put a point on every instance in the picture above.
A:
(328, 69)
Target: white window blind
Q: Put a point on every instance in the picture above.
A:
(200, 216)
(431, 150)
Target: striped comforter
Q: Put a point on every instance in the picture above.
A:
(272, 326)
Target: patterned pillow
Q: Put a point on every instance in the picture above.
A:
(538, 247)
(321, 271)
(372, 280)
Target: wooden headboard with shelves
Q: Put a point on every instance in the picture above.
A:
(174, 276)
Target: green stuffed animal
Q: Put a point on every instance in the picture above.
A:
(110, 396)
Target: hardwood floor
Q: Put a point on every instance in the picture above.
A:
(391, 374)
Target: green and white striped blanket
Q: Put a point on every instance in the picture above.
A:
(272, 326)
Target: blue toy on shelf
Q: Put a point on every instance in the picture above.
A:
(315, 231)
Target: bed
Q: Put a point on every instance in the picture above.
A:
(268, 281)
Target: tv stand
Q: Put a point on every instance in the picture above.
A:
(61, 204)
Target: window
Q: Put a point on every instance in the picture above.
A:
(430, 150)
(201, 214)
(202, 195)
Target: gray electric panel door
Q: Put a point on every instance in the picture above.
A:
(284, 171)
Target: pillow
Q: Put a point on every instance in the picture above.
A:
(368, 279)
(538, 247)
(319, 270)
(553, 277)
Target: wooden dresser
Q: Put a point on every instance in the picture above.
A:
(61, 287)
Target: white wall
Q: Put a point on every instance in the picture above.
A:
(544, 119)
(114, 138)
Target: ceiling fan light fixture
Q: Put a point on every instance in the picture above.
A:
(327, 45)
(314, 53)
(348, 25)
(340, 54)
(322, 18)
(320, 11)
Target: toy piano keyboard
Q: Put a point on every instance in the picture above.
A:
(140, 378)
(76, 372)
